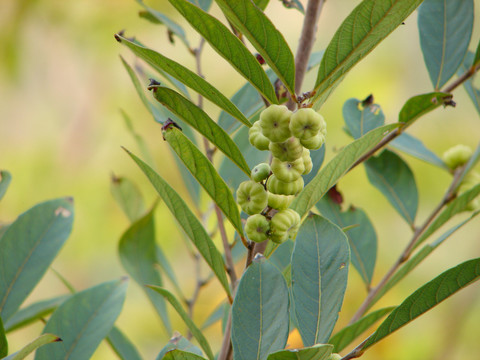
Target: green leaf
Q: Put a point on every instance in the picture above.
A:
(282, 257)
(205, 173)
(264, 36)
(317, 157)
(445, 29)
(186, 76)
(392, 176)
(122, 346)
(167, 269)
(473, 92)
(320, 262)
(188, 221)
(228, 46)
(414, 147)
(344, 337)
(316, 352)
(419, 105)
(336, 168)
(3, 341)
(426, 297)
(361, 118)
(417, 259)
(32, 346)
(197, 334)
(33, 312)
(128, 196)
(5, 178)
(476, 59)
(29, 246)
(163, 19)
(362, 238)
(137, 250)
(260, 312)
(182, 355)
(216, 315)
(456, 206)
(261, 4)
(202, 4)
(179, 342)
(83, 321)
(198, 119)
(366, 26)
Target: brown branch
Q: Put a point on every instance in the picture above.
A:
(462, 78)
(357, 352)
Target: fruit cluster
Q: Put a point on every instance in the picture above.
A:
(266, 198)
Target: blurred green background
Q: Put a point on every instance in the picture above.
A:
(62, 86)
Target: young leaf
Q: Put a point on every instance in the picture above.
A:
(456, 206)
(392, 176)
(264, 36)
(420, 105)
(33, 312)
(316, 352)
(445, 29)
(366, 26)
(320, 262)
(260, 312)
(181, 355)
(179, 342)
(3, 341)
(188, 221)
(32, 346)
(29, 246)
(5, 178)
(417, 259)
(128, 196)
(362, 116)
(336, 168)
(188, 77)
(205, 173)
(228, 46)
(122, 346)
(83, 321)
(415, 147)
(198, 119)
(344, 337)
(426, 297)
(197, 334)
(137, 250)
(362, 239)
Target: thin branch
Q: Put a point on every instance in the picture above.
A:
(226, 351)
(462, 78)
(357, 352)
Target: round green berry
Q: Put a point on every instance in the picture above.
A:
(335, 356)
(457, 156)
(252, 197)
(315, 142)
(257, 227)
(288, 171)
(306, 123)
(260, 172)
(288, 150)
(276, 186)
(284, 225)
(256, 137)
(307, 161)
(279, 202)
(275, 121)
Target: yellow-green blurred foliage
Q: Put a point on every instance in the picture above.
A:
(61, 88)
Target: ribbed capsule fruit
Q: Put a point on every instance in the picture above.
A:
(284, 225)
(314, 143)
(457, 156)
(306, 123)
(289, 150)
(275, 121)
(260, 172)
(288, 171)
(252, 197)
(256, 137)
(276, 186)
(279, 202)
(307, 161)
(257, 227)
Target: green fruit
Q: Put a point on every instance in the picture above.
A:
(306, 123)
(335, 357)
(315, 142)
(279, 187)
(252, 197)
(288, 150)
(288, 171)
(275, 121)
(284, 225)
(307, 161)
(457, 156)
(257, 227)
(279, 202)
(256, 137)
(260, 172)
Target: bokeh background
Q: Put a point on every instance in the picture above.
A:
(62, 86)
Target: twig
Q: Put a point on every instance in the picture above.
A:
(357, 352)
(199, 284)
(449, 195)
(226, 351)
(462, 78)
